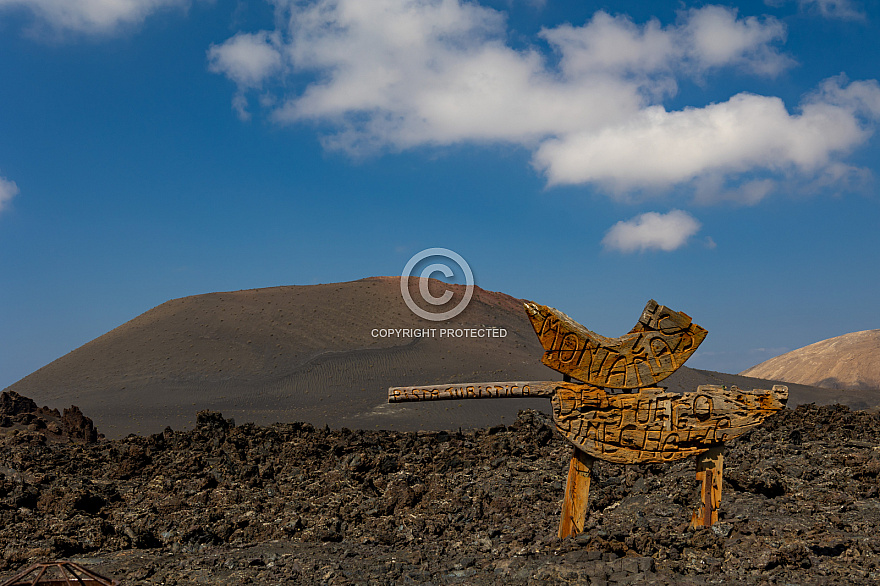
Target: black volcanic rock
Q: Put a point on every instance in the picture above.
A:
(78, 426)
(19, 412)
(295, 504)
(12, 404)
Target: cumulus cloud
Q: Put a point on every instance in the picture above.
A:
(716, 37)
(657, 148)
(8, 190)
(707, 38)
(652, 231)
(397, 74)
(90, 16)
(247, 59)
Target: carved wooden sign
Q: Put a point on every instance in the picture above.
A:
(655, 425)
(471, 391)
(651, 425)
(659, 343)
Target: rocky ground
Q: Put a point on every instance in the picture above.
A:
(291, 504)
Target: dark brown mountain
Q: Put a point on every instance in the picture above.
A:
(308, 353)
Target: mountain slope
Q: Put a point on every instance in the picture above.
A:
(288, 353)
(851, 361)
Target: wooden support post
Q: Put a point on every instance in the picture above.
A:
(577, 494)
(710, 470)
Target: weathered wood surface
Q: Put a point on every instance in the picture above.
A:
(710, 471)
(577, 494)
(657, 426)
(660, 343)
(471, 391)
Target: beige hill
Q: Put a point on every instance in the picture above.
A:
(307, 353)
(851, 361)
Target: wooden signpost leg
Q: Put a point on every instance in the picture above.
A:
(710, 469)
(577, 494)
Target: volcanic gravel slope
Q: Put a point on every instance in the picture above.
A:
(292, 504)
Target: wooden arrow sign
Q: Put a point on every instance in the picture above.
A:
(654, 425)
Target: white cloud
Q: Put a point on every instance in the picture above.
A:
(90, 16)
(707, 38)
(652, 231)
(716, 37)
(657, 148)
(839, 9)
(8, 190)
(401, 73)
(843, 9)
(247, 59)
(713, 188)
(397, 74)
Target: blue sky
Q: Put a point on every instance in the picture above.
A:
(720, 158)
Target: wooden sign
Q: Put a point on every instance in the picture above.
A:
(471, 391)
(650, 425)
(655, 425)
(659, 343)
